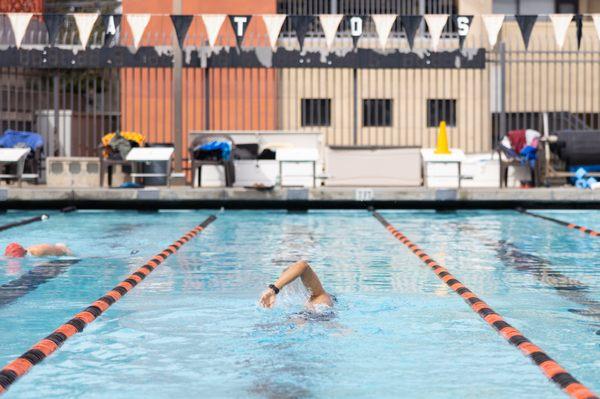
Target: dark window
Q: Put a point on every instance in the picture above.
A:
(316, 112)
(441, 110)
(567, 6)
(377, 112)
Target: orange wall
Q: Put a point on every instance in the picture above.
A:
(240, 98)
(21, 6)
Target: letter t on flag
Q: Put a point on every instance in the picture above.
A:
(239, 23)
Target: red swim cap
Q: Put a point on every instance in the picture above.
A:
(15, 250)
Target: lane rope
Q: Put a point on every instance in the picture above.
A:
(573, 226)
(551, 369)
(44, 348)
(23, 222)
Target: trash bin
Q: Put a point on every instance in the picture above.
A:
(156, 167)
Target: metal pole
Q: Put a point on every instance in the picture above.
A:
(502, 88)
(177, 96)
(334, 6)
(355, 92)
(52, 140)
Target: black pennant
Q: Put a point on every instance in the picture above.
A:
(356, 31)
(526, 24)
(53, 24)
(300, 24)
(181, 23)
(355, 35)
(579, 22)
(239, 23)
(111, 37)
(411, 24)
(462, 23)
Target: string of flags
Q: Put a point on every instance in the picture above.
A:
(301, 25)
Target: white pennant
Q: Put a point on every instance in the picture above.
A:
(383, 26)
(273, 23)
(19, 22)
(436, 24)
(561, 24)
(85, 23)
(138, 23)
(213, 23)
(330, 24)
(596, 19)
(493, 24)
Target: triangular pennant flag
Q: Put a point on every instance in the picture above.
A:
(273, 24)
(85, 23)
(436, 24)
(596, 19)
(300, 24)
(526, 24)
(138, 23)
(19, 22)
(330, 24)
(561, 23)
(411, 25)
(383, 26)
(463, 27)
(53, 24)
(181, 24)
(579, 23)
(213, 23)
(356, 28)
(239, 23)
(112, 29)
(493, 24)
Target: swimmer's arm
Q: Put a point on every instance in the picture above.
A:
(48, 250)
(309, 278)
(303, 270)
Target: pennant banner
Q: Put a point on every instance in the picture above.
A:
(526, 24)
(53, 24)
(383, 26)
(463, 27)
(85, 23)
(596, 19)
(411, 24)
(579, 23)
(112, 29)
(356, 29)
(561, 23)
(138, 23)
(493, 24)
(436, 24)
(300, 24)
(330, 24)
(181, 24)
(239, 23)
(213, 23)
(19, 22)
(273, 24)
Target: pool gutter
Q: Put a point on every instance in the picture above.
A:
(298, 198)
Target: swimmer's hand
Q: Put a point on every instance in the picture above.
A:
(267, 299)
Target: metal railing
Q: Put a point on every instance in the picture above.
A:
(511, 89)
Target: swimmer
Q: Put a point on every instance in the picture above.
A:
(318, 296)
(16, 250)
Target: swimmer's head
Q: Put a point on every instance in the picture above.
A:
(15, 250)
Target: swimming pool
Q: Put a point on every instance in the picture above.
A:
(193, 327)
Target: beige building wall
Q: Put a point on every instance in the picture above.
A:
(545, 79)
(409, 90)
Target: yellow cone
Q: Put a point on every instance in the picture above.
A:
(442, 140)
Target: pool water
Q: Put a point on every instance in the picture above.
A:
(193, 327)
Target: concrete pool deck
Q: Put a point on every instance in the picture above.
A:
(322, 197)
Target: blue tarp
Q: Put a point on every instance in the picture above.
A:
(581, 176)
(224, 146)
(11, 138)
